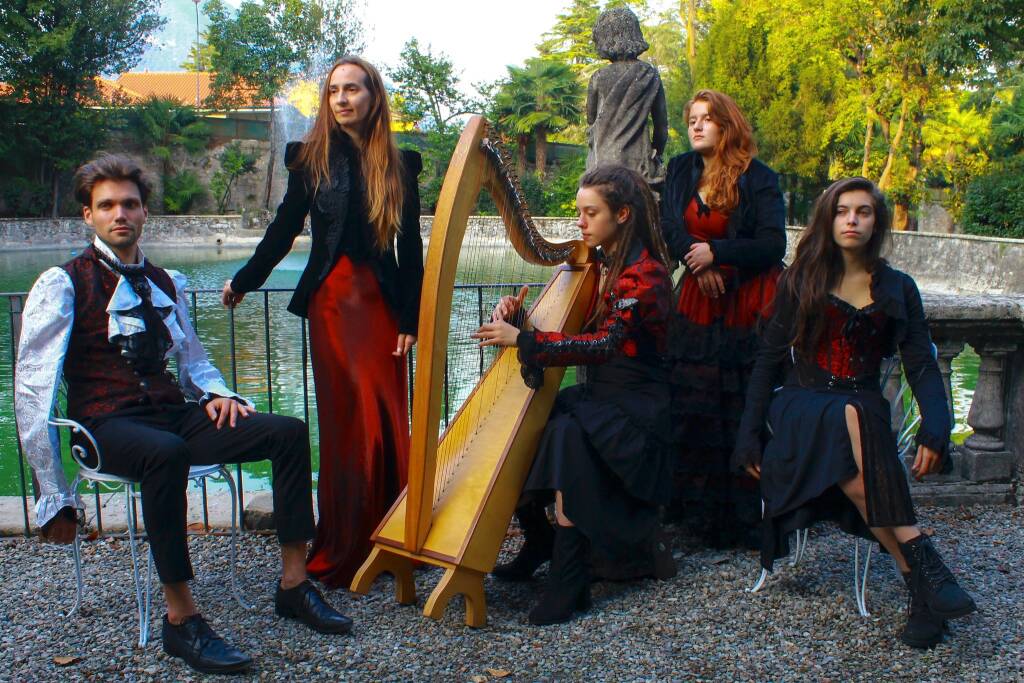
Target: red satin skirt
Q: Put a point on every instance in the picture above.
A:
(363, 416)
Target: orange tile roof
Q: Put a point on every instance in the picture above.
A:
(178, 85)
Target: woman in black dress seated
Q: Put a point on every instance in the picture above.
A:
(602, 458)
(832, 454)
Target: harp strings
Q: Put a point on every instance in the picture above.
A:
(491, 264)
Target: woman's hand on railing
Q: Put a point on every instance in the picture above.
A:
(229, 297)
(509, 305)
(405, 344)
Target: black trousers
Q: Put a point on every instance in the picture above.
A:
(156, 447)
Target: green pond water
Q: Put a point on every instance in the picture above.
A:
(280, 345)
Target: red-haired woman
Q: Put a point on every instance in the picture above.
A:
(723, 217)
(361, 292)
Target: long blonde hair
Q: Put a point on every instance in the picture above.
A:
(734, 150)
(380, 159)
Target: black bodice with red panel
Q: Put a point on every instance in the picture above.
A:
(635, 325)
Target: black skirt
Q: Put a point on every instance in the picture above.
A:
(809, 453)
(605, 448)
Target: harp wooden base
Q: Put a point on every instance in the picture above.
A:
(456, 581)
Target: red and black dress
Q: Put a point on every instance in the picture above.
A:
(604, 446)
(358, 300)
(807, 450)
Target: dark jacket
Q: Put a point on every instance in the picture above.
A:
(897, 295)
(399, 270)
(757, 226)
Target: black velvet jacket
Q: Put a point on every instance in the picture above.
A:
(756, 238)
(399, 270)
(897, 295)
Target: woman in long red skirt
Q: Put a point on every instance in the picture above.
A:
(361, 293)
(724, 219)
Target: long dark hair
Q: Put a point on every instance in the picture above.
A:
(818, 265)
(623, 187)
(380, 159)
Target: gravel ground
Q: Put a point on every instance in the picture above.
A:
(699, 626)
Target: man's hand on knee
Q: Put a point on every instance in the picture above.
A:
(62, 528)
(227, 410)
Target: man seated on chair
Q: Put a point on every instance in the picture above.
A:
(109, 321)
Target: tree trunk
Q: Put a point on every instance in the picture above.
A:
(541, 151)
(900, 215)
(868, 135)
(270, 165)
(55, 183)
(886, 178)
(691, 37)
(521, 141)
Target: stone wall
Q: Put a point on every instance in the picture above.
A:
(939, 262)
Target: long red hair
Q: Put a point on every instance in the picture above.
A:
(380, 159)
(733, 153)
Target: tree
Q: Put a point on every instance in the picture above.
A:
(201, 59)
(164, 125)
(538, 99)
(258, 50)
(427, 86)
(234, 163)
(51, 53)
(341, 33)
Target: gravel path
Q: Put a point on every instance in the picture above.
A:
(698, 626)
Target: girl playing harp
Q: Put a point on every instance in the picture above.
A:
(602, 458)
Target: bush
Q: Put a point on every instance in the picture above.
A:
(25, 197)
(234, 163)
(181, 191)
(994, 204)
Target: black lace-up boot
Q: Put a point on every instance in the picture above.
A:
(568, 587)
(923, 629)
(536, 550)
(932, 580)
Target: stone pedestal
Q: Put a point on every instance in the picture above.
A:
(259, 512)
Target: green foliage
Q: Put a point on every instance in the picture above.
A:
(24, 197)
(234, 163)
(51, 52)
(163, 125)
(201, 59)
(540, 98)
(1008, 122)
(181, 191)
(427, 88)
(994, 204)
(437, 153)
(341, 33)
(260, 47)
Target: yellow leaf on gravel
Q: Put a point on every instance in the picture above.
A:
(498, 673)
(66, 661)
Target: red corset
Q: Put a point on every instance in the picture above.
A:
(742, 305)
(851, 345)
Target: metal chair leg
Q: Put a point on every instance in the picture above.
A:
(76, 551)
(801, 546)
(860, 577)
(760, 582)
(234, 540)
(139, 599)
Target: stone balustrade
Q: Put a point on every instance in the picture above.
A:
(990, 461)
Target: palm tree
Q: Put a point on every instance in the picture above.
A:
(538, 99)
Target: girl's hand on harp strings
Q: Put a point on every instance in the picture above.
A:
(509, 305)
(497, 333)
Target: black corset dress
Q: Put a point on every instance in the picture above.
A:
(605, 444)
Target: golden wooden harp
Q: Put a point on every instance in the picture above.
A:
(464, 484)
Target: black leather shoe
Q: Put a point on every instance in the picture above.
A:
(568, 588)
(536, 550)
(201, 648)
(305, 603)
(923, 630)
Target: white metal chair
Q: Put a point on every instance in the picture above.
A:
(908, 417)
(91, 474)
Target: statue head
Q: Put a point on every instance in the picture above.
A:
(617, 35)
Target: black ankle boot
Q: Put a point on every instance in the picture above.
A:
(568, 587)
(536, 550)
(930, 577)
(924, 629)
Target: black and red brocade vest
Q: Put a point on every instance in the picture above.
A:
(100, 380)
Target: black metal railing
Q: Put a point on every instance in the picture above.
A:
(10, 444)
